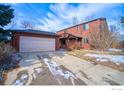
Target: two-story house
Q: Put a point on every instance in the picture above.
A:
(77, 36)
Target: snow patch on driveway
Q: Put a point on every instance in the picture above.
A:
(56, 70)
(38, 70)
(21, 80)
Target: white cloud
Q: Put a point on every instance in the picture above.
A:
(20, 14)
(14, 4)
(61, 15)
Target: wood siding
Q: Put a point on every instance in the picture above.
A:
(17, 35)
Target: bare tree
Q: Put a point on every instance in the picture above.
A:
(113, 28)
(103, 39)
(122, 19)
(27, 25)
(122, 36)
(12, 25)
(86, 19)
(75, 20)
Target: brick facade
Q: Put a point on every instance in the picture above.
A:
(78, 35)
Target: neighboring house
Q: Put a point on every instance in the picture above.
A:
(33, 40)
(121, 41)
(77, 36)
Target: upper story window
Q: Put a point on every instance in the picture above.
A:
(78, 28)
(85, 26)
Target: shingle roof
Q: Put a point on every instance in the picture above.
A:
(33, 31)
(66, 35)
(82, 23)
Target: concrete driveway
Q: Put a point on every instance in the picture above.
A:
(59, 68)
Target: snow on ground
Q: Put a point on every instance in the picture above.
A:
(21, 80)
(102, 59)
(114, 50)
(105, 58)
(16, 57)
(56, 70)
(38, 70)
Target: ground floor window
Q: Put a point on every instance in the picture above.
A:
(85, 40)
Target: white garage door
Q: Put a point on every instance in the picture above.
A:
(31, 44)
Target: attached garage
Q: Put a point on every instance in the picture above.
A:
(33, 40)
(31, 44)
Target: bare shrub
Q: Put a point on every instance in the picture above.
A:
(6, 61)
(5, 49)
(27, 25)
(104, 39)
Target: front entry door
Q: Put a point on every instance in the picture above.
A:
(63, 43)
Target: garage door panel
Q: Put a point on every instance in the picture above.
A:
(31, 44)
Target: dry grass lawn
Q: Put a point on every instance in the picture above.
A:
(82, 52)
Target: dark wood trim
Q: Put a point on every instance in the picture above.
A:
(33, 35)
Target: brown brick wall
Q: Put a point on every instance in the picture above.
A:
(79, 31)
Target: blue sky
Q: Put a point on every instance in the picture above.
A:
(53, 17)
